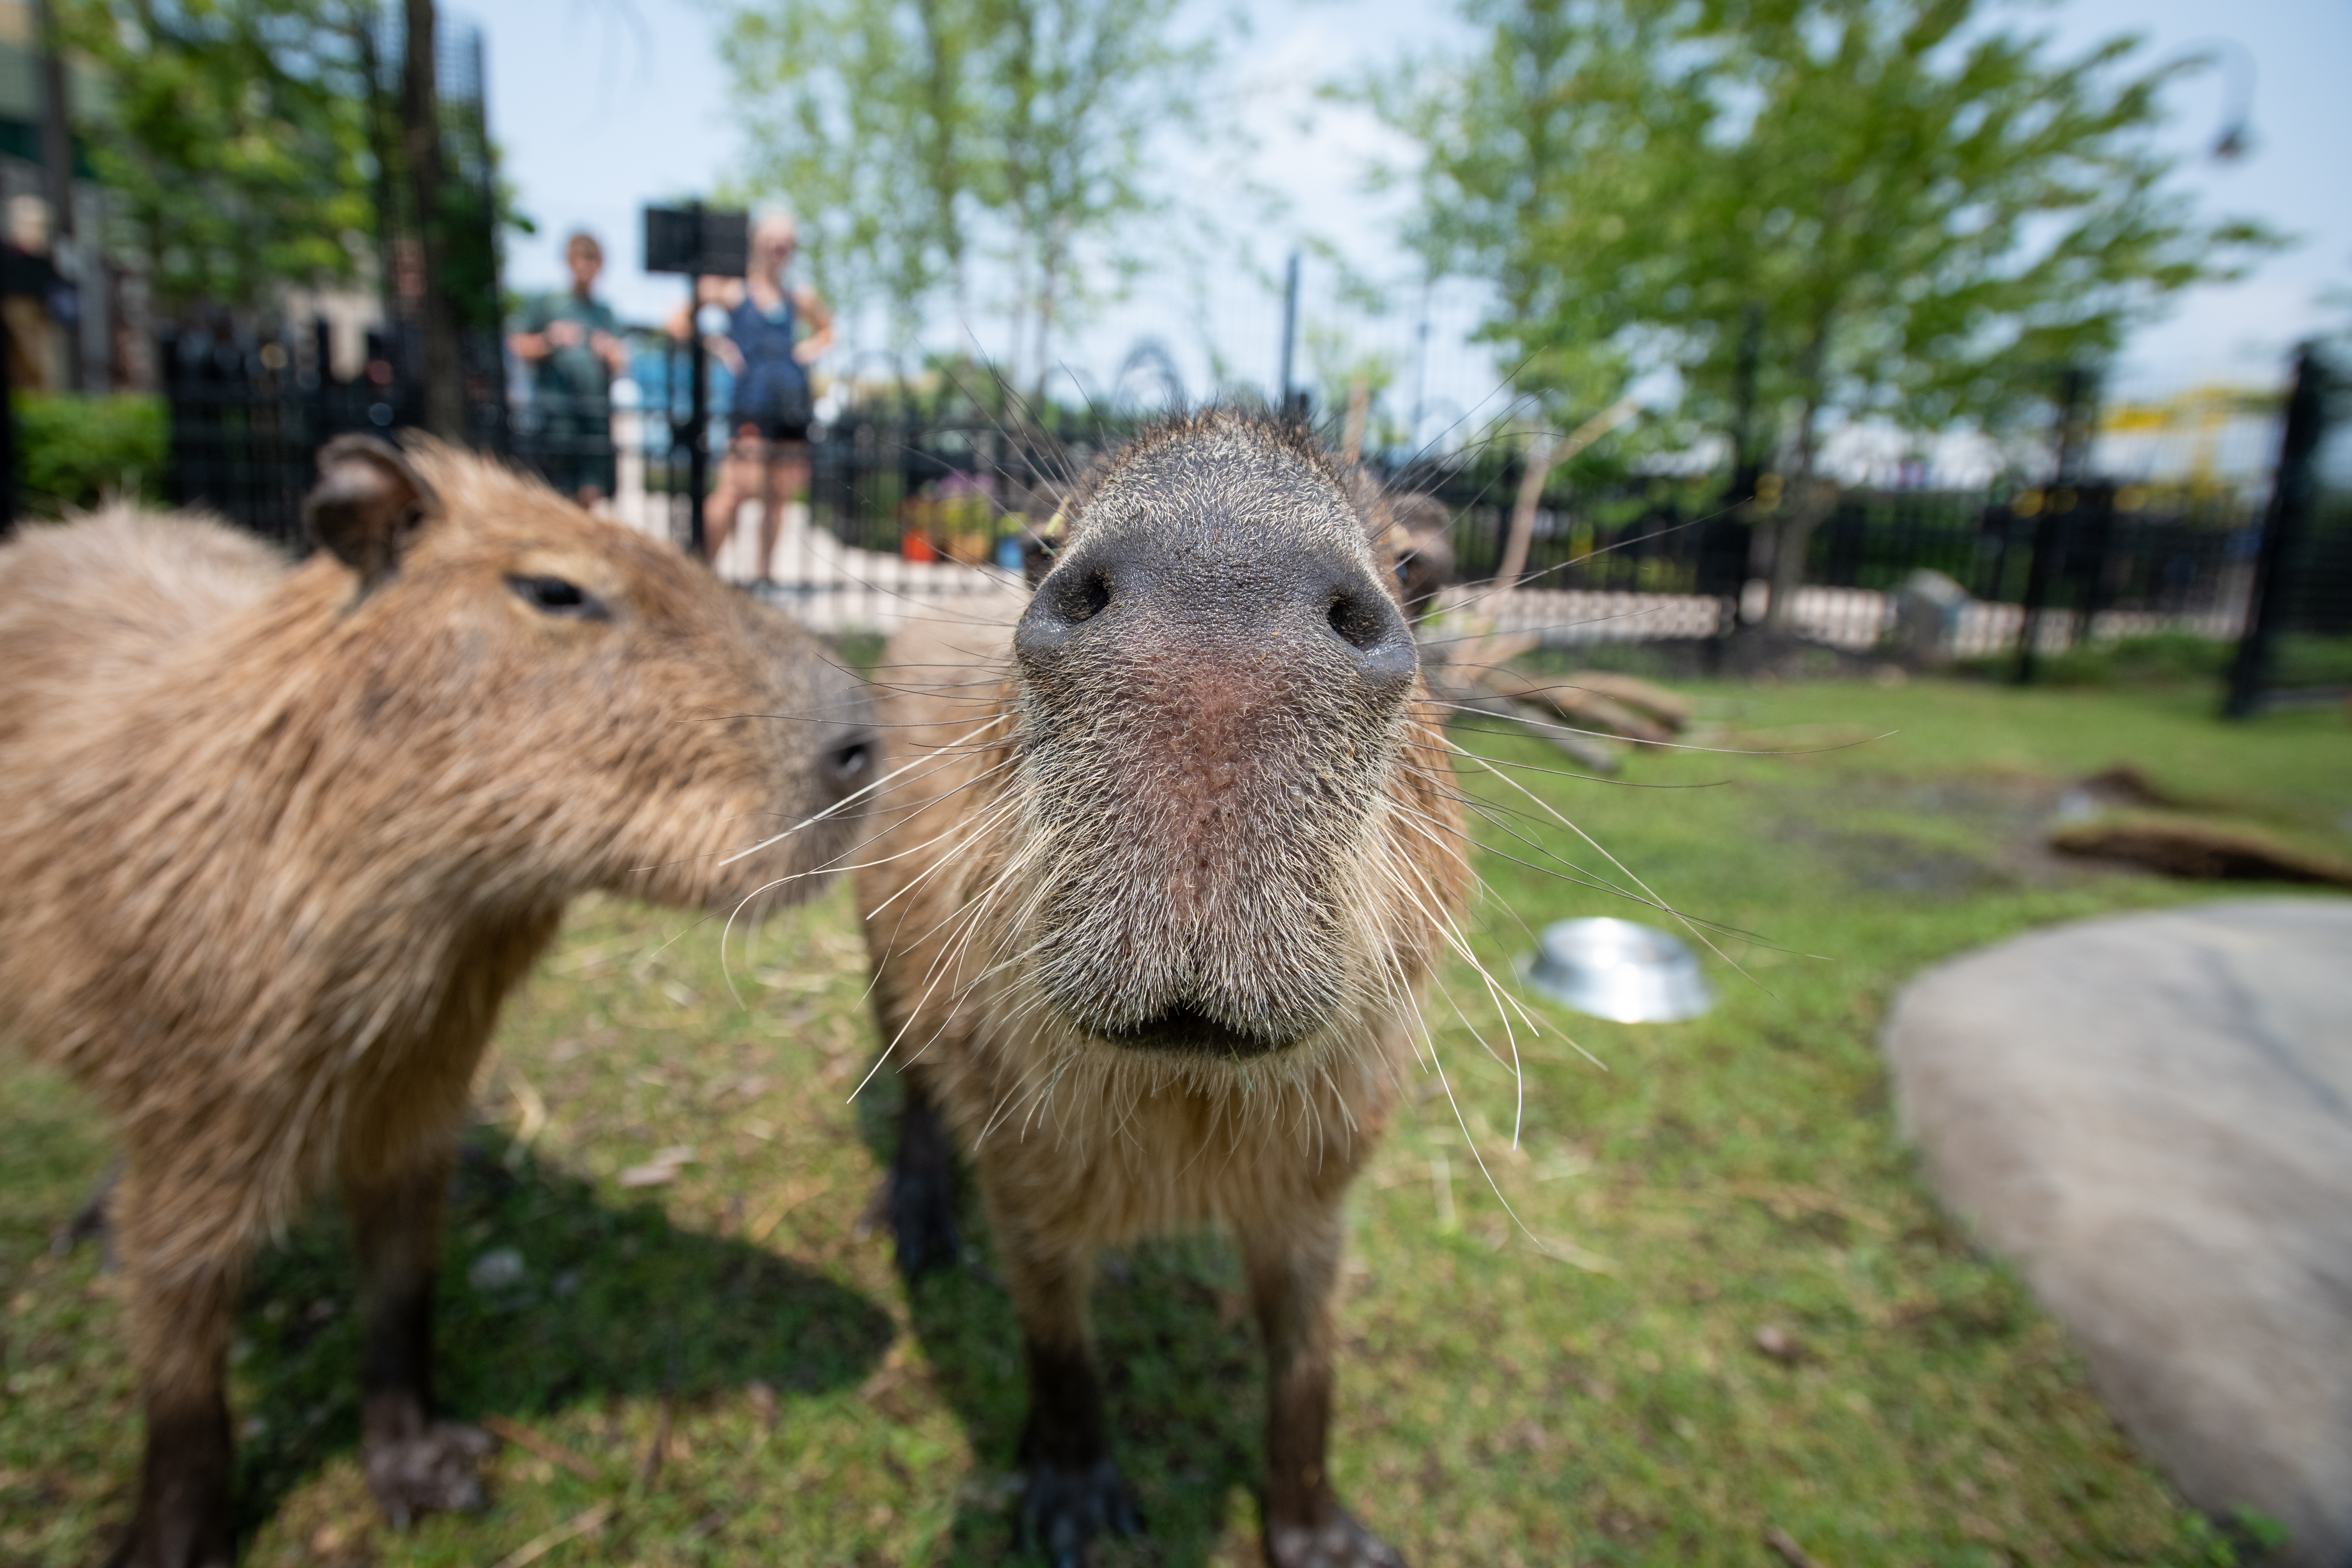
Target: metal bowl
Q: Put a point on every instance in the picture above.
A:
(1617, 969)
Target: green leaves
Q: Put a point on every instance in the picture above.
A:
(917, 138)
(1928, 210)
(237, 141)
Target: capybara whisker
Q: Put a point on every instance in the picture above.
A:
(284, 836)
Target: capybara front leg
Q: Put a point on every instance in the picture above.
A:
(1291, 1274)
(413, 1463)
(1075, 1491)
(182, 1310)
(922, 1187)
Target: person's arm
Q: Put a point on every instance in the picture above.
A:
(819, 342)
(606, 343)
(529, 341)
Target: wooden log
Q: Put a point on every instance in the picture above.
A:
(1589, 751)
(1671, 709)
(1574, 704)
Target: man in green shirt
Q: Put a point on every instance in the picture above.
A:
(571, 344)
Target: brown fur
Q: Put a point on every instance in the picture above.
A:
(1200, 809)
(282, 837)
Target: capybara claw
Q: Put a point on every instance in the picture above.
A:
(1063, 1509)
(1341, 1543)
(434, 1473)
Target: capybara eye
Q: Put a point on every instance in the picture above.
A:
(554, 596)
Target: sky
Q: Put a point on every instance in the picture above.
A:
(603, 106)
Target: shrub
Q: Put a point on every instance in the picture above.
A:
(75, 451)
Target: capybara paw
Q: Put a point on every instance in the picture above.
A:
(186, 1540)
(922, 1215)
(1063, 1509)
(1341, 1543)
(434, 1473)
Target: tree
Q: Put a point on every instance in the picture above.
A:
(1921, 212)
(237, 141)
(859, 115)
(916, 137)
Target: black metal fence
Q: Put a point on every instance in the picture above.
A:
(2094, 547)
(2298, 645)
(247, 417)
(946, 478)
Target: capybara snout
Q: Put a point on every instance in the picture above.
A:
(1215, 677)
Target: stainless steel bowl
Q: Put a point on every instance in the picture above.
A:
(1617, 969)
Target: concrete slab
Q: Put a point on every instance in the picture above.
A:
(2151, 1116)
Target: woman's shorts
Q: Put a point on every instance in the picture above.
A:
(769, 430)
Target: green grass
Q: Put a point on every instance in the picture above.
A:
(1497, 1405)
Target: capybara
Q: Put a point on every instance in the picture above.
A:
(280, 837)
(1150, 912)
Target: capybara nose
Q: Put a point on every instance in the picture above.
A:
(847, 761)
(1252, 598)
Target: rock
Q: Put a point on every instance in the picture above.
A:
(2151, 1116)
(1927, 610)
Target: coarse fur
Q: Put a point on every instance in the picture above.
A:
(1162, 874)
(282, 837)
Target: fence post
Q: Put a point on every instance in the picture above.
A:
(2290, 495)
(2077, 415)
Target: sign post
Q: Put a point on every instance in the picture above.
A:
(700, 242)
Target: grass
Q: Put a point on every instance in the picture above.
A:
(1497, 1405)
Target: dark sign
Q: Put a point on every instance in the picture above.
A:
(699, 241)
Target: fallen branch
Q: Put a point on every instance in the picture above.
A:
(1589, 752)
(578, 1524)
(1785, 1547)
(547, 1449)
(1576, 703)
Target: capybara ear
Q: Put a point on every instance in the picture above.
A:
(368, 504)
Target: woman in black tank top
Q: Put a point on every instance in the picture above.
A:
(768, 416)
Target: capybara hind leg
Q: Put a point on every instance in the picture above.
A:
(922, 1187)
(1291, 1274)
(181, 1322)
(413, 1463)
(1074, 1491)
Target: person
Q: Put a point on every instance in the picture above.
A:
(36, 302)
(571, 344)
(768, 414)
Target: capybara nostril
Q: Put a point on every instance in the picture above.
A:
(1368, 621)
(1072, 596)
(849, 761)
